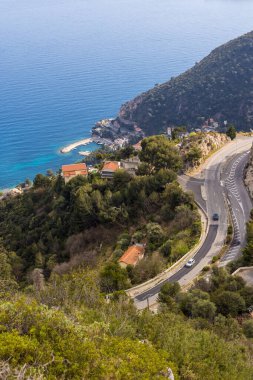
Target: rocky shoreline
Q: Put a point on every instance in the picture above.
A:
(111, 133)
(116, 133)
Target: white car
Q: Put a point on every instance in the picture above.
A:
(190, 263)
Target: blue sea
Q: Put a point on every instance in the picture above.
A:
(64, 64)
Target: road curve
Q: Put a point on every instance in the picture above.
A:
(215, 193)
(212, 232)
(239, 202)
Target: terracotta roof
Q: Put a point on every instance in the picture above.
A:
(111, 166)
(73, 169)
(132, 255)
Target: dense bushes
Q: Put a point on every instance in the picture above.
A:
(222, 293)
(48, 340)
(70, 331)
(52, 222)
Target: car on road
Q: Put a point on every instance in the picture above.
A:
(215, 216)
(236, 242)
(190, 263)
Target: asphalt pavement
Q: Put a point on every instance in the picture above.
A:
(224, 166)
(212, 231)
(239, 202)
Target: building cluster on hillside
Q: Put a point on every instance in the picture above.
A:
(130, 165)
(116, 135)
(209, 125)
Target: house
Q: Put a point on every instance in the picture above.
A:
(109, 168)
(130, 165)
(132, 256)
(71, 171)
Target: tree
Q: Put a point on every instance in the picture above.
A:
(147, 268)
(229, 303)
(113, 277)
(160, 153)
(7, 281)
(187, 301)
(204, 309)
(155, 234)
(176, 131)
(41, 180)
(168, 292)
(120, 179)
(248, 328)
(227, 328)
(193, 155)
(166, 248)
(231, 132)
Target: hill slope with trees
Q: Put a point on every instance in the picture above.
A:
(219, 87)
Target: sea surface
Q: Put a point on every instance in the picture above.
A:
(64, 64)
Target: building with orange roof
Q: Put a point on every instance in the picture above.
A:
(109, 168)
(132, 256)
(71, 171)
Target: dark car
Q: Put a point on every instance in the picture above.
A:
(215, 216)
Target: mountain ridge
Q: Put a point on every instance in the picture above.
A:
(220, 86)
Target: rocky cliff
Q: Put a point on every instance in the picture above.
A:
(198, 146)
(219, 87)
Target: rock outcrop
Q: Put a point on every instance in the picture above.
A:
(248, 179)
(202, 144)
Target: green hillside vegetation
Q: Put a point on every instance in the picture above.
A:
(219, 294)
(63, 310)
(93, 221)
(218, 87)
(66, 329)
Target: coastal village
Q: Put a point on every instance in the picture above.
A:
(110, 133)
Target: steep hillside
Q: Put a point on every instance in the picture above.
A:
(218, 87)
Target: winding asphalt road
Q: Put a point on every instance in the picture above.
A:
(219, 182)
(239, 202)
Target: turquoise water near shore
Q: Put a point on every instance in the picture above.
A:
(66, 64)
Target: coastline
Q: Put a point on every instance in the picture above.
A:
(74, 145)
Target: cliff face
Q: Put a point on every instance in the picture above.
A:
(219, 87)
(204, 143)
(248, 180)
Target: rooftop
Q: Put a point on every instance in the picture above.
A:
(73, 169)
(132, 255)
(111, 166)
